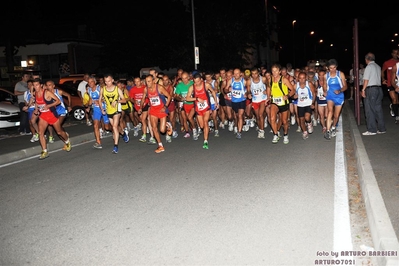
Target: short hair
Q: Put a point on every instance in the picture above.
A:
(37, 80)
(197, 75)
(93, 78)
(332, 62)
(122, 81)
(370, 57)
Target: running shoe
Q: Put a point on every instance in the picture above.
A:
(216, 133)
(231, 126)
(333, 132)
(368, 133)
(115, 150)
(238, 135)
(68, 146)
(292, 120)
(235, 130)
(168, 139)
(125, 137)
(152, 141)
(310, 128)
(43, 155)
(169, 129)
(143, 139)
(299, 129)
(35, 138)
(160, 149)
(275, 139)
(174, 134)
(187, 135)
(327, 135)
(88, 123)
(305, 135)
(135, 131)
(286, 140)
(391, 110)
(261, 134)
(205, 146)
(314, 121)
(97, 145)
(51, 139)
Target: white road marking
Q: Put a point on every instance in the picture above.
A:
(342, 228)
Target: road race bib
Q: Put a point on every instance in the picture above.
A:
(279, 101)
(237, 94)
(321, 95)
(202, 106)
(155, 101)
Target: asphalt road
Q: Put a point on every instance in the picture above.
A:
(242, 202)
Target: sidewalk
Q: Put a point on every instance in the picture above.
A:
(377, 158)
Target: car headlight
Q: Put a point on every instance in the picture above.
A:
(4, 112)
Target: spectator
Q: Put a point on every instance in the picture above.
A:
(372, 94)
(82, 90)
(19, 90)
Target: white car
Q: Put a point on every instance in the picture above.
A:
(9, 110)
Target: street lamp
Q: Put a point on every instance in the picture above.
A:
(293, 41)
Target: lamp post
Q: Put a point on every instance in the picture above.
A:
(293, 41)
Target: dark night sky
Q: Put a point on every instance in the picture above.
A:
(331, 21)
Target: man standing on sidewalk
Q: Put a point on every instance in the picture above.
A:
(372, 94)
(19, 90)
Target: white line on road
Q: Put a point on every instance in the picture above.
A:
(342, 231)
(37, 156)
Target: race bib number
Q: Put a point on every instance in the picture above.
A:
(278, 100)
(303, 98)
(257, 92)
(321, 95)
(41, 107)
(237, 94)
(155, 101)
(202, 106)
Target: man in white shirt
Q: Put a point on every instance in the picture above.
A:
(81, 91)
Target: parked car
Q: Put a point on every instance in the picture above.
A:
(72, 80)
(78, 110)
(9, 110)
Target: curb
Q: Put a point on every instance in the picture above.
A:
(382, 232)
(29, 152)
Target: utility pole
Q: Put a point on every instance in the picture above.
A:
(196, 50)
